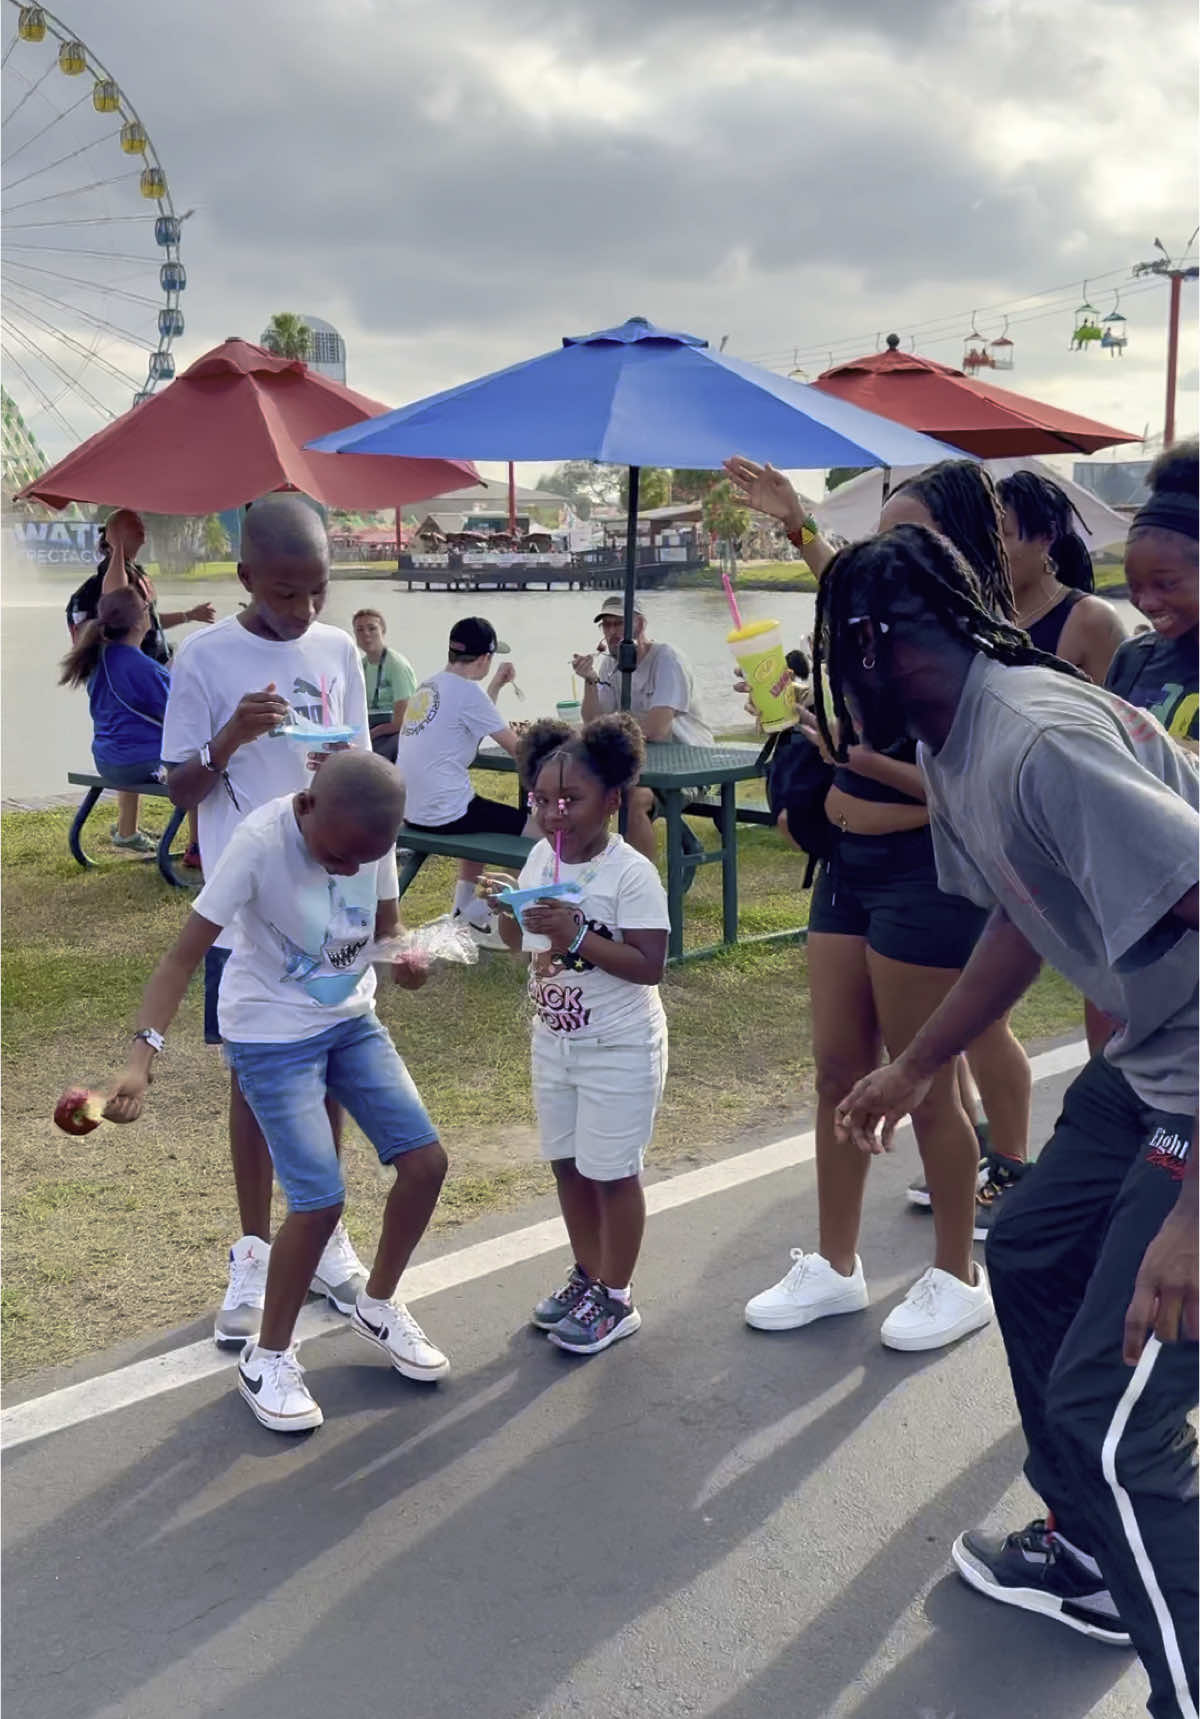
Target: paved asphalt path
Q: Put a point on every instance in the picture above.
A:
(706, 1520)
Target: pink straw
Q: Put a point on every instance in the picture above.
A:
(325, 723)
(733, 608)
(557, 853)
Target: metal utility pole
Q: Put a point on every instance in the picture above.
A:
(1176, 273)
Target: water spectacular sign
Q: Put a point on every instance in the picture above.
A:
(59, 543)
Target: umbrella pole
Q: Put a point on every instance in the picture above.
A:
(627, 655)
(886, 473)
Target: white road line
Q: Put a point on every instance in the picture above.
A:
(58, 1410)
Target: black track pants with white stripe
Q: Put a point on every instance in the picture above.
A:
(1110, 1447)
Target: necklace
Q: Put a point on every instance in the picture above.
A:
(1025, 621)
(589, 873)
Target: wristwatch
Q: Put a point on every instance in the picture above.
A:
(206, 757)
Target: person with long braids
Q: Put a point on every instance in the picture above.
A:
(884, 947)
(1052, 576)
(1072, 818)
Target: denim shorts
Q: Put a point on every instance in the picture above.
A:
(885, 889)
(214, 966)
(596, 1100)
(285, 1086)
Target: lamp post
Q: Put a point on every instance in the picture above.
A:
(1176, 273)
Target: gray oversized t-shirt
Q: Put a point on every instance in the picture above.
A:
(662, 680)
(1077, 815)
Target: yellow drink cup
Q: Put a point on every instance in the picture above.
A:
(758, 651)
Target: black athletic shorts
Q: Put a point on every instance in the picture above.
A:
(884, 888)
(482, 817)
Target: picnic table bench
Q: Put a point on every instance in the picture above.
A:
(413, 848)
(96, 786)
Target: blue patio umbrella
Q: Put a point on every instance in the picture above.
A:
(638, 396)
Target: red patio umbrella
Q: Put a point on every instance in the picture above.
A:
(989, 422)
(230, 429)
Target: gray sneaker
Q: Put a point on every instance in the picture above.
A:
(139, 842)
(341, 1277)
(599, 1320)
(565, 1300)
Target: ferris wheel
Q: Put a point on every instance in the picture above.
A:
(92, 273)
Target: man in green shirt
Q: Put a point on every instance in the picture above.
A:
(391, 682)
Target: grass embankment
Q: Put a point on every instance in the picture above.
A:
(796, 576)
(124, 1232)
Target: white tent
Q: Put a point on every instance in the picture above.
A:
(852, 511)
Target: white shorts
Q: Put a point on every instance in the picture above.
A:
(596, 1101)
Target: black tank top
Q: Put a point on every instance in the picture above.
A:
(867, 788)
(1046, 633)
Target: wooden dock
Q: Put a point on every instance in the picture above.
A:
(529, 576)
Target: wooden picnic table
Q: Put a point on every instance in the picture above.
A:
(678, 774)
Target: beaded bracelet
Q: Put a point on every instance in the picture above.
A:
(808, 533)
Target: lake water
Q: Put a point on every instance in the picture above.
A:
(46, 730)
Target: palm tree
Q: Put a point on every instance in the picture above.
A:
(287, 336)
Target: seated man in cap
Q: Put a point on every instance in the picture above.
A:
(444, 722)
(662, 698)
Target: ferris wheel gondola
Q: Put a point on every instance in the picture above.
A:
(93, 274)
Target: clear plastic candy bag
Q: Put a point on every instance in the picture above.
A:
(438, 941)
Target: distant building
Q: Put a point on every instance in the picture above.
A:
(1118, 483)
(327, 349)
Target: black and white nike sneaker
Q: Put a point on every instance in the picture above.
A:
(272, 1382)
(1031, 1568)
(392, 1328)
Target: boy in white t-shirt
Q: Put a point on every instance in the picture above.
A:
(446, 718)
(231, 685)
(306, 885)
(599, 1032)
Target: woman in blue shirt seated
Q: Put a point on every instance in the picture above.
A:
(127, 692)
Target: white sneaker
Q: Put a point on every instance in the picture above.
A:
(811, 1290)
(485, 934)
(241, 1311)
(938, 1309)
(341, 1277)
(392, 1328)
(273, 1385)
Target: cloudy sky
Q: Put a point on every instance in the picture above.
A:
(457, 184)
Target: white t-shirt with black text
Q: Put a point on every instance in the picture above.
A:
(214, 670)
(446, 719)
(622, 891)
(300, 936)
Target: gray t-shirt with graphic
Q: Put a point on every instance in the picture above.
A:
(661, 681)
(1077, 815)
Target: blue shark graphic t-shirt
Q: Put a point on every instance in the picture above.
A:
(301, 937)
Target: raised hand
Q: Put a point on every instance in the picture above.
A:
(125, 531)
(766, 490)
(202, 612)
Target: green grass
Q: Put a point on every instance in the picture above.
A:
(760, 576)
(123, 1232)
